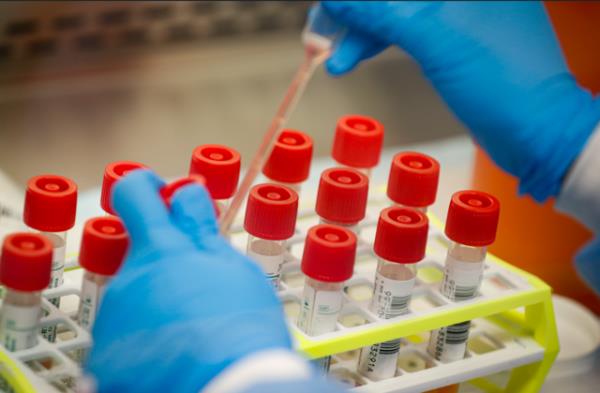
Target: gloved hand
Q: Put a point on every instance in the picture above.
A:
(497, 65)
(185, 304)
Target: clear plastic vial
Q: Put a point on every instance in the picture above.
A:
(327, 262)
(50, 208)
(471, 226)
(270, 220)
(59, 245)
(413, 180)
(400, 243)
(342, 197)
(25, 271)
(270, 254)
(92, 290)
(21, 312)
(103, 246)
(221, 205)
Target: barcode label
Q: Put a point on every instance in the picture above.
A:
(457, 334)
(399, 306)
(389, 347)
(379, 361)
(391, 297)
(449, 343)
(463, 293)
(461, 279)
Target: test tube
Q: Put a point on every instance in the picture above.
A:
(327, 262)
(220, 166)
(50, 208)
(103, 246)
(413, 180)
(169, 190)
(25, 271)
(342, 197)
(471, 227)
(358, 142)
(400, 242)
(113, 172)
(289, 162)
(270, 220)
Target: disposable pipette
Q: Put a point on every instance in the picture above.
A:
(319, 36)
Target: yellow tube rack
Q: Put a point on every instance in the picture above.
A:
(514, 310)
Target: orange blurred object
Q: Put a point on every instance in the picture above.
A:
(532, 236)
(578, 30)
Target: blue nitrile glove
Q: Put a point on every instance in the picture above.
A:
(498, 66)
(185, 304)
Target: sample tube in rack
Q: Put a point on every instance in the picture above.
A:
(220, 167)
(50, 208)
(289, 162)
(113, 172)
(103, 246)
(25, 271)
(270, 220)
(400, 242)
(413, 180)
(169, 190)
(471, 226)
(358, 142)
(342, 197)
(327, 262)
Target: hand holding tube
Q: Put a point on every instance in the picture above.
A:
(185, 304)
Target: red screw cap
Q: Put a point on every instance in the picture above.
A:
(358, 141)
(342, 195)
(220, 166)
(290, 159)
(113, 173)
(413, 179)
(26, 262)
(329, 253)
(169, 190)
(50, 203)
(473, 218)
(401, 235)
(271, 212)
(103, 245)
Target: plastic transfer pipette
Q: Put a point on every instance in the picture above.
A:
(319, 36)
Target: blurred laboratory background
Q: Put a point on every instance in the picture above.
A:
(86, 83)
